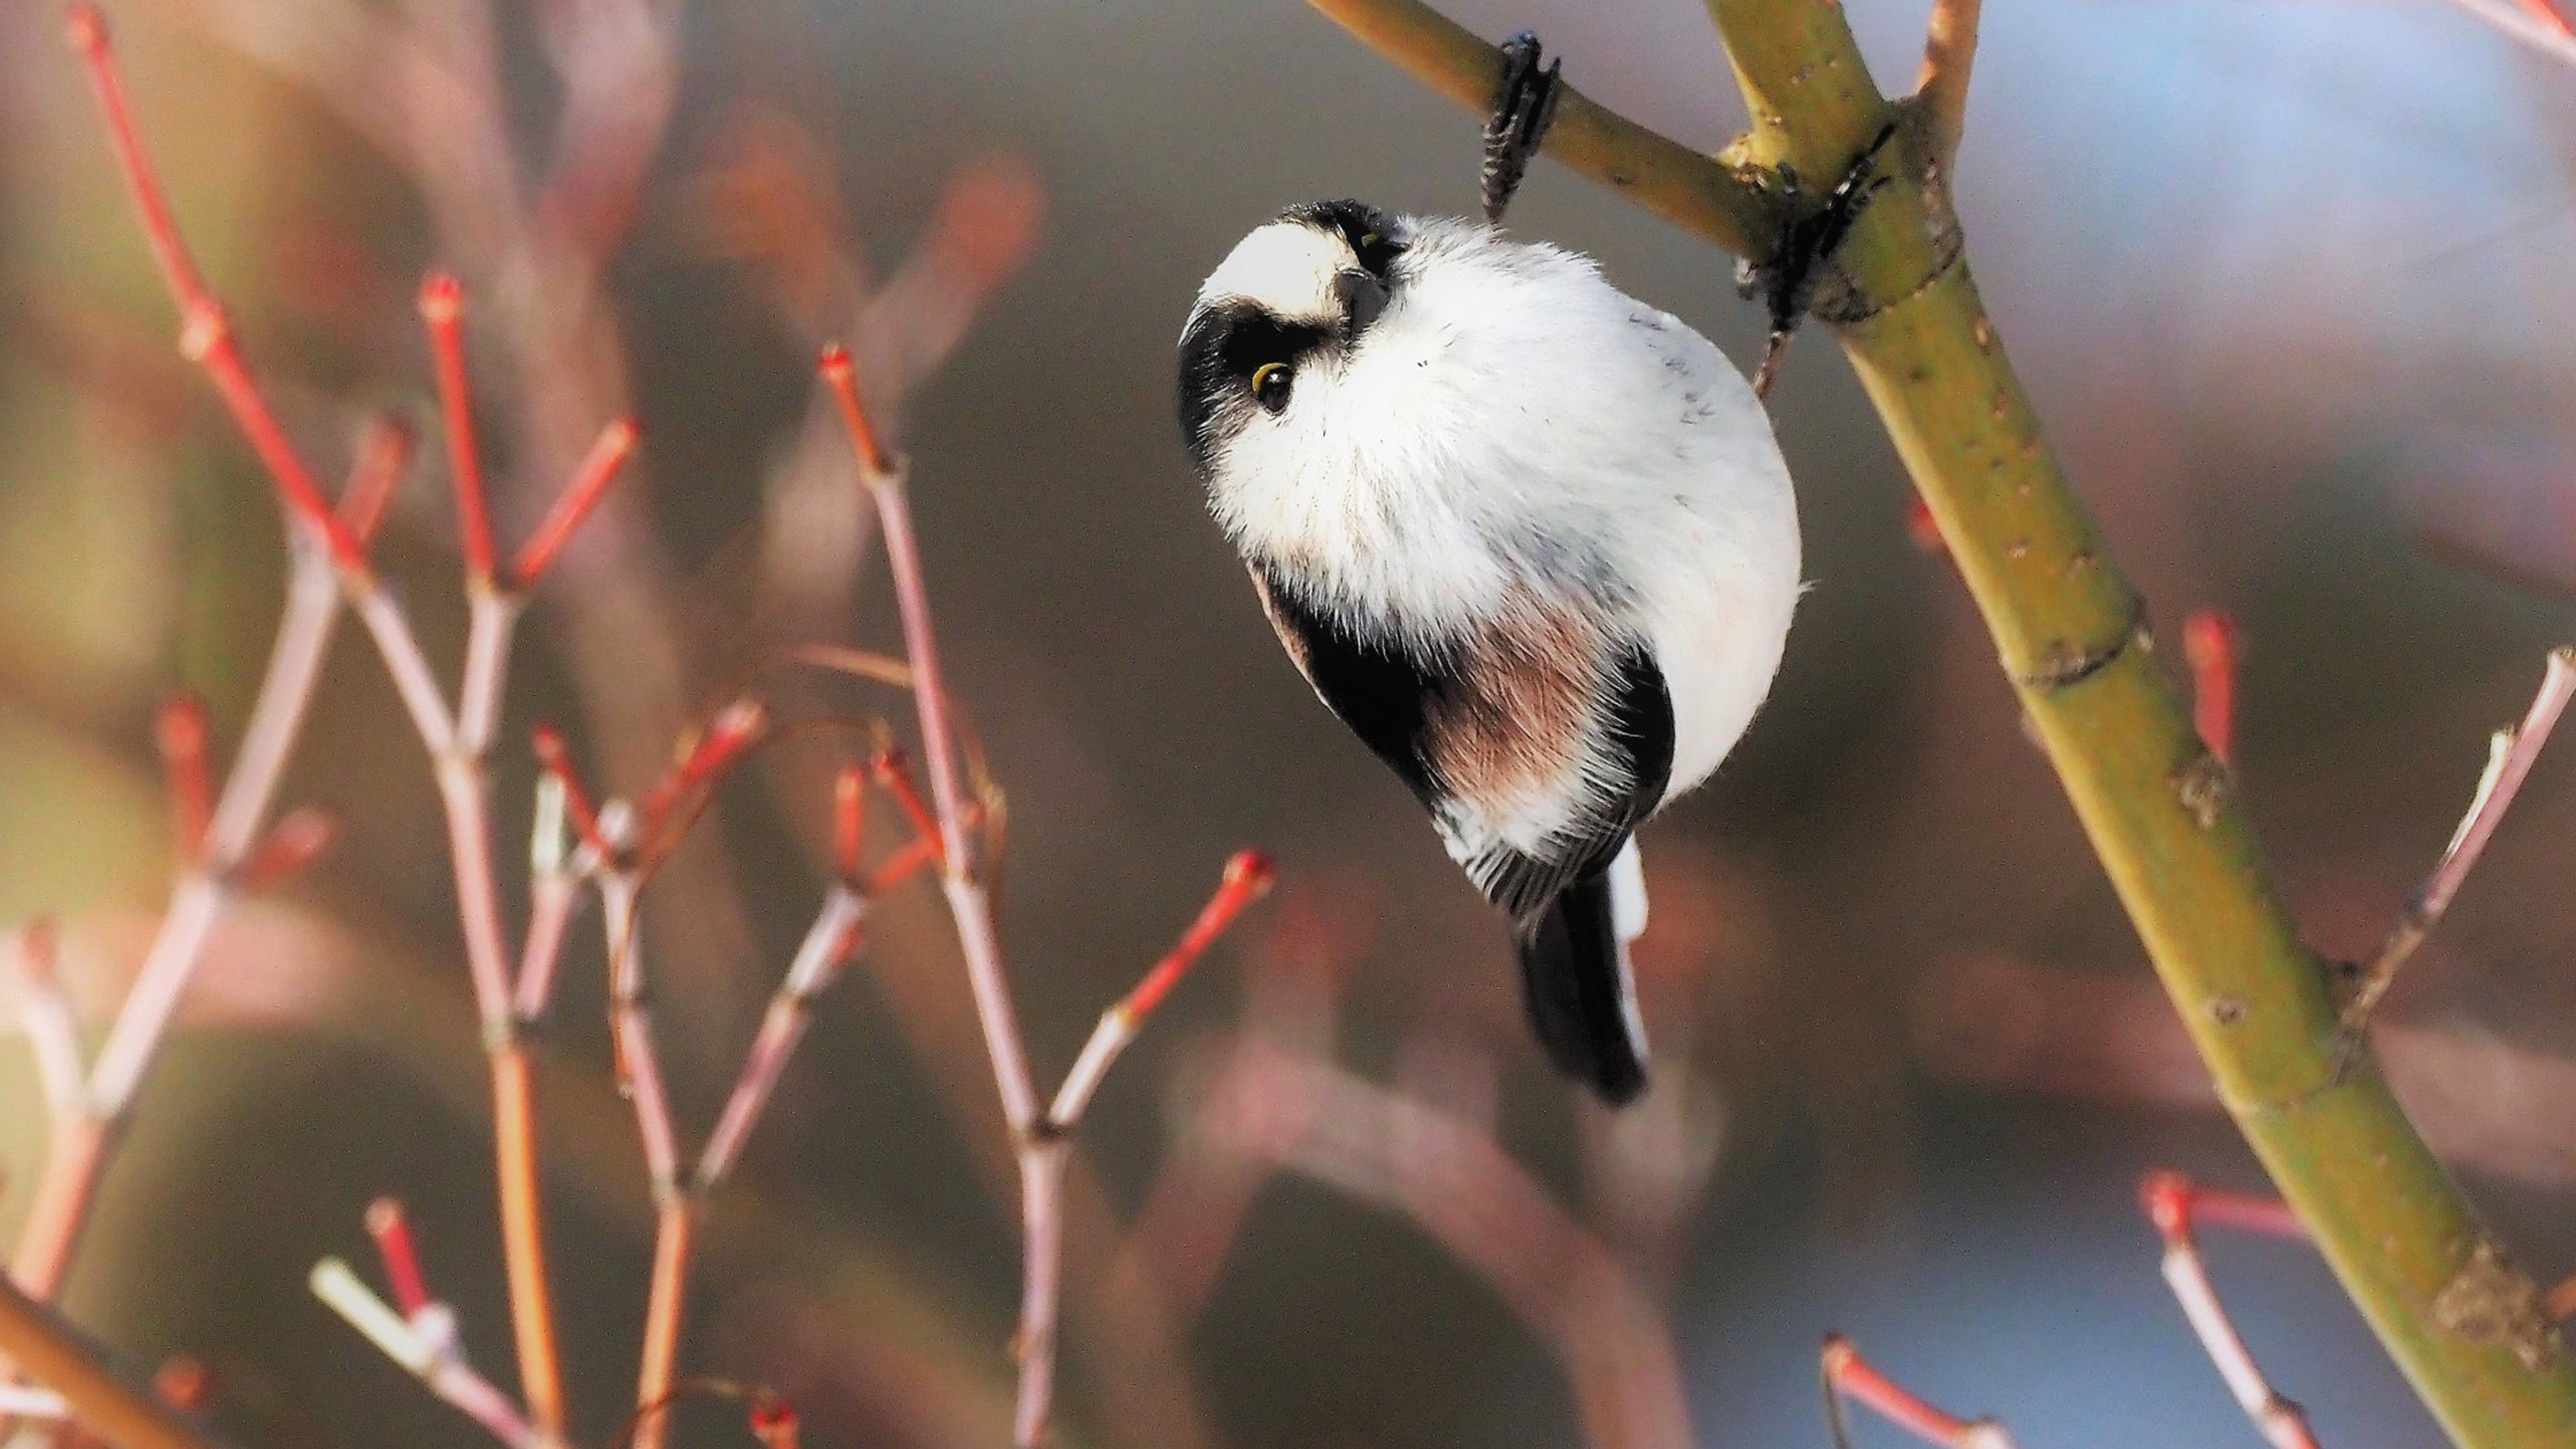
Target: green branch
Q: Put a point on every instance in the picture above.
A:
(2463, 1324)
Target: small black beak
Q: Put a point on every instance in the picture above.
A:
(1363, 297)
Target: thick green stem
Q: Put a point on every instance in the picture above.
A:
(2464, 1325)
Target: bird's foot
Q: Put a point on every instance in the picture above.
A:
(1523, 105)
(1786, 281)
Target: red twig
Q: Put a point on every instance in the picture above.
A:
(915, 855)
(1248, 876)
(205, 332)
(2560, 1304)
(1922, 528)
(297, 840)
(849, 826)
(774, 1425)
(727, 737)
(843, 379)
(895, 777)
(384, 457)
(2547, 14)
(2211, 644)
(556, 761)
(180, 731)
(599, 468)
(442, 307)
(1850, 1376)
(2175, 1204)
(391, 1228)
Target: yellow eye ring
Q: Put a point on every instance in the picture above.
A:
(1270, 385)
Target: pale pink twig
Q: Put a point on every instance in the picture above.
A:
(818, 964)
(47, 1016)
(429, 1356)
(2173, 1203)
(2509, 757)
(639, 1064)
(1041, 1144)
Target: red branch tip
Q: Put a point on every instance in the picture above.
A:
(1922, 528)
(390, 1226)
(894, 774)
(727, 737)
(849, 825)
(39, 945)
(185, 1382)
(1848, 1375)
(442, 307)
(1248, 877)
(555, 760)
(2547, 14)
(2212, 645)
(2560, 1304)
(179, 729)
(842, 377)
(774, 1425)
(291, 845)
(384, 457)
(2175, 1204)
(599, 468)
(205, 334)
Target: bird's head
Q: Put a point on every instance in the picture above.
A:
(1281, 317)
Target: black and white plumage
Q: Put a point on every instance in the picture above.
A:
(1531, 539)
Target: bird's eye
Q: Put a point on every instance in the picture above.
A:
(1270, 385)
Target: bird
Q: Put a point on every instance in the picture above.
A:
(1533, 540)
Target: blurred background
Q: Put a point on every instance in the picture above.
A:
(2286, 277)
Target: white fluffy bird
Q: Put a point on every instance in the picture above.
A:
(1531, 539)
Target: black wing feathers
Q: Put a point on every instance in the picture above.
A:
(1574, 973)
(1377, 688)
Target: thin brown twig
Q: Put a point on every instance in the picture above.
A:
(2509, 758)
(1698, 193)
(55, 1354)
(2175, 1203)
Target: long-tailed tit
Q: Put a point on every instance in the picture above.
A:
(1530, 538)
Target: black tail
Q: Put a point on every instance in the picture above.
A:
(1574, 979)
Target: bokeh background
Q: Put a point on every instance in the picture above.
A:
(2286, 277)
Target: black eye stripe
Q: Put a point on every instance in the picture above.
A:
(1221, 350)
(1258, 337)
